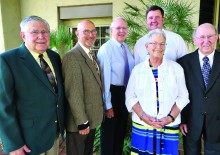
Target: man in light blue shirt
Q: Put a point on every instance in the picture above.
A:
(116, 62)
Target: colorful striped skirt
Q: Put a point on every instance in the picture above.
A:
(151, 141)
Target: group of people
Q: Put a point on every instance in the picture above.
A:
(163, 87)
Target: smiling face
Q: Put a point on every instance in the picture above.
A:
(156, 46)
(119, 30)
(155, 20)
(36, 36)
(86, 33)
(205, 38)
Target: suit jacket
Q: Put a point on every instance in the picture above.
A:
(203, 102)
(29, 108)
(83, 90)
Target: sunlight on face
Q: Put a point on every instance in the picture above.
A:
(156, 47)
(205, 39)
(36, 36)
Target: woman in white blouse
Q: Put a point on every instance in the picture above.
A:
(155, 95)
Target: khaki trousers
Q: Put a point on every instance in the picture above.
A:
(54, 150)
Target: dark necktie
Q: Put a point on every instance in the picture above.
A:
(94, 61)
(206, 69)
(46, 69)
(127, 72)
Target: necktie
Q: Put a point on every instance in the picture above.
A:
(127, 72)
(94, 61)
(46, 69)
(206, 68)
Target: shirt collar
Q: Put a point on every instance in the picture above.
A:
(84, 48)
(116, 42)
(210, 56)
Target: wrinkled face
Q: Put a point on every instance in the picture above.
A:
(154, 20)
(36, 36)
(156, 47)
(86, 33)
(205, 39)
(119, 30)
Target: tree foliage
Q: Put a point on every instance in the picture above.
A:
(178, 18)
(61, 40)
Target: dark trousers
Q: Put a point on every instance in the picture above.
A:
(194, 147)
(113, 130)
(77, 144)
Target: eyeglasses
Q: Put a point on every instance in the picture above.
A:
(87, 32)
(209, 37)
(43, 33)
(121, 28)
(154, 44)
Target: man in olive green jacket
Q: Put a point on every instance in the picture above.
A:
(83, 88)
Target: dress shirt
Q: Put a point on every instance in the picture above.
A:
(210, 56)
(171, 89)
(46, 58)
(111, 60)
(86, 50)
(175, 47)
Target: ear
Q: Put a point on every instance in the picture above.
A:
(22, 35)
(146, 45)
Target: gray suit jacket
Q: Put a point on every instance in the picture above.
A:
(203, 102)
(83, 88)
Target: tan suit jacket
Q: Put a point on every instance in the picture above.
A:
(83, 88)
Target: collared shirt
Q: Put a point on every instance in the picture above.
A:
(85, 49)
(46, 58)
(210, 56)
(110, 57)
(171, 89)
(175, 47)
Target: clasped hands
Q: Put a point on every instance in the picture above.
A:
(156, 123)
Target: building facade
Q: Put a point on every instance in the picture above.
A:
(70, 12)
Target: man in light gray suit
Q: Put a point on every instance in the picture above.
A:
(83, 87)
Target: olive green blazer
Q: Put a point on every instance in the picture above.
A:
(83, 90)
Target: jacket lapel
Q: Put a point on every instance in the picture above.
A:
(215, 70)
(196, 69)
(90, 64)
(33, 66)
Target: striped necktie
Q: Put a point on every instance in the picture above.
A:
(48, 72)
(94, 61)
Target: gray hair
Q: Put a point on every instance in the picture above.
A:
(153, 32)
(24, 23)
(113, 22)
(205, 24)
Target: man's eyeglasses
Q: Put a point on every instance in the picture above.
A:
(209, 37)
(154, 44)
(87, 32)
(43, 33)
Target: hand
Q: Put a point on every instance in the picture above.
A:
(164, 121)
(183, 129)
(109, 113)
(21, 151)
(151, 121)
(85, 131)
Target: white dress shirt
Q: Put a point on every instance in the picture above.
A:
(171, 89)
(111, 60)
(175, 47)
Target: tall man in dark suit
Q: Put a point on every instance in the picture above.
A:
(83, 87)
(31, 108)
(201, 117)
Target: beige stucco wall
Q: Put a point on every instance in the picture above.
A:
(9, 27)
(14, 10)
